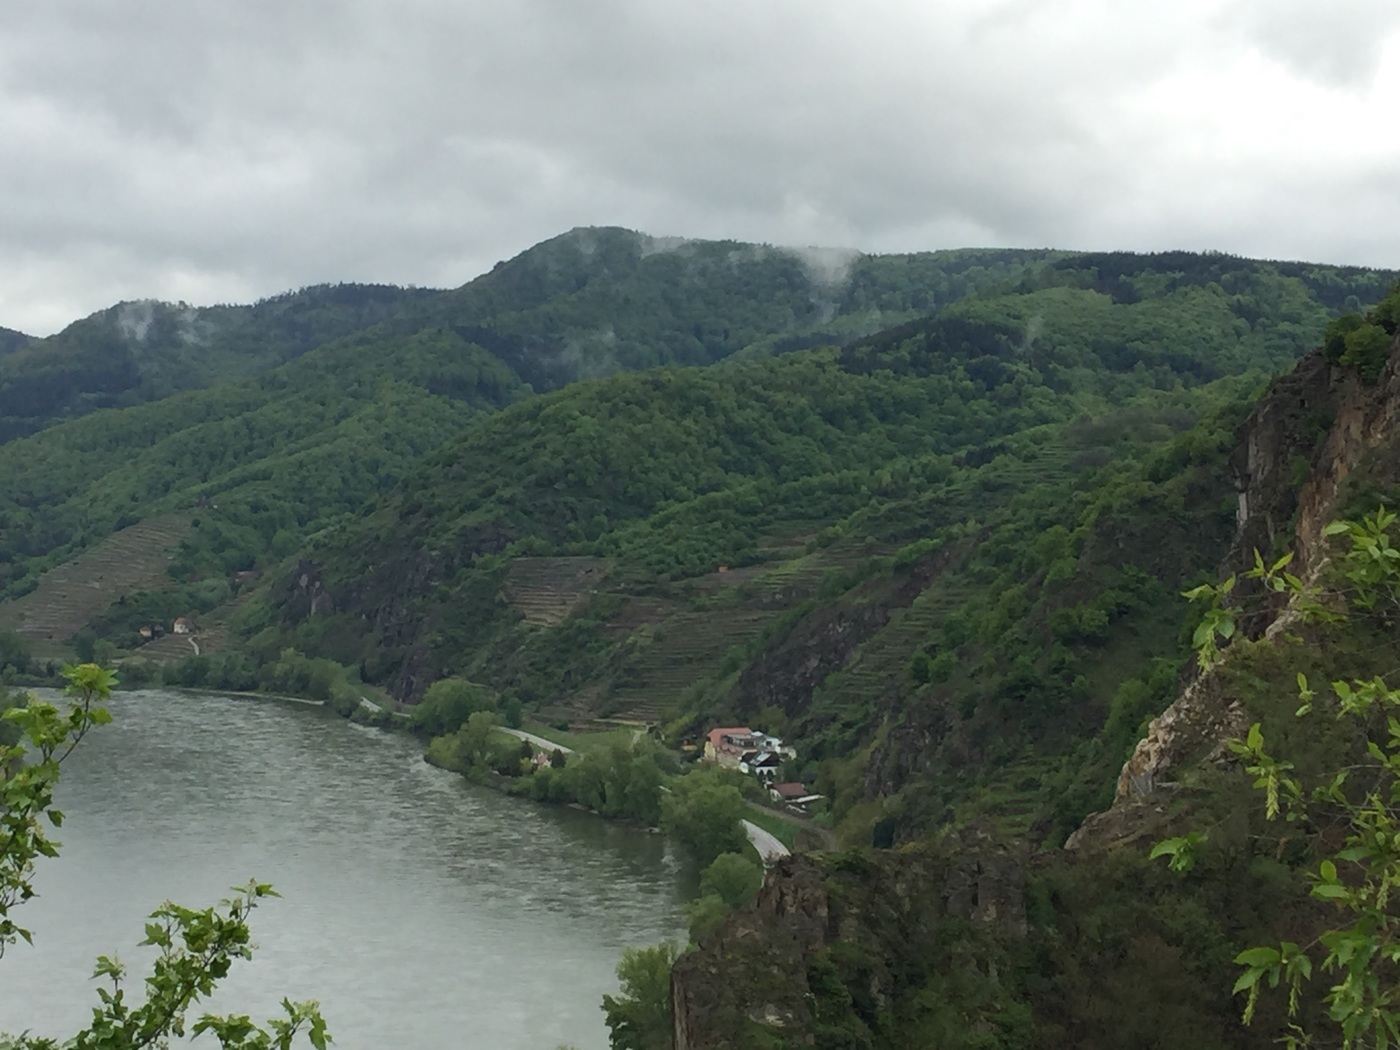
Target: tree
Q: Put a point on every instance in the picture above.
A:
(731, 881)
(1367, 349)
(1352, 807)
(448, 703)
(733, 878)
(639, 1017)
(13, 652)
(196, 946)
(704, 812)
(704, 915)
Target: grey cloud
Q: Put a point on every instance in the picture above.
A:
(216, 152)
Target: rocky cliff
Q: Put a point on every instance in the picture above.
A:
(1318, 434)
(833, 944)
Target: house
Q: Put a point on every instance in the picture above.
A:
(182, 625)
(766, 742)
(146, 631)
(794, 796)
(726, 745)
(787, 792)
(762, 764)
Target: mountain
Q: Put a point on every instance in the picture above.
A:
(966, 939)
(137, 352)
(11, 340)
(590, 302)
(780, 469)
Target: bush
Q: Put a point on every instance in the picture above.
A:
(1367, 349)
(448, 704)
(704, 812)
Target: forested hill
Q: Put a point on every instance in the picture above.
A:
(1246, 795)
(314, 402)
(944, 444)
(665, 475)
(928, 517)
(136, 352)
(11, 340)
(589, 302)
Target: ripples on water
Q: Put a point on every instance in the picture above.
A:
(421, 911)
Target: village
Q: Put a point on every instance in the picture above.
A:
(762, 756)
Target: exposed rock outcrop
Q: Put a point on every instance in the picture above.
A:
(865, 925)
(1310, 432)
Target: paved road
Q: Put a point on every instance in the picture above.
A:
(538, 741)
(767, 845)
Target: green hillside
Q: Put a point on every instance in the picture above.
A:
(286, 421)
(1279, 836)
(930, 517)
(11, 340)
(591, 302)
(137, 352)
(969, 533)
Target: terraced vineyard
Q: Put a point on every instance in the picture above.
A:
(211, 635)
(169, 648)
(880, 669)
(70, 595)
(547, 590)
(683, 648)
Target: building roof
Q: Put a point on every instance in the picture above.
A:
(789, 791)
(716, 736)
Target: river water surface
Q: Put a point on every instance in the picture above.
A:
(420, 910)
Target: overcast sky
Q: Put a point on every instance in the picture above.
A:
(219, 151)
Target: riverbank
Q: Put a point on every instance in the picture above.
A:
(240, 694)
(769, 835)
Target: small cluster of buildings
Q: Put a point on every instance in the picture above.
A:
(759, 755)
(151, 631)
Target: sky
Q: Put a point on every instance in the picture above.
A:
(218, 152)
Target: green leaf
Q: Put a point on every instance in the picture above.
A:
(1330, 890)
(1260, 957)
(1167, 848)
(1247, 980)
(1328, 871)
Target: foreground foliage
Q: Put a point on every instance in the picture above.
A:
(1352, 806)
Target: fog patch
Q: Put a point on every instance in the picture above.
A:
(664, 245)
(592, 355)
(827, 268)
(1035, 327)
(134, 319)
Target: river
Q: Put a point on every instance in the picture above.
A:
(422, 912)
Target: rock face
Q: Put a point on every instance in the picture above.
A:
(858, 929)
(1312, 430)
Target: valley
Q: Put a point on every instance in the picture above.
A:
(930, 519)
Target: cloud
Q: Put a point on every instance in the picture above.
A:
(219, 152)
